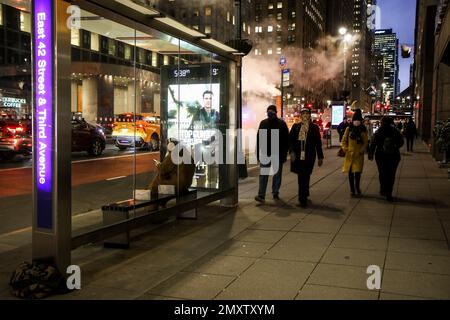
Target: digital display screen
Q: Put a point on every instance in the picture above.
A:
(193, 112)
(338, 114)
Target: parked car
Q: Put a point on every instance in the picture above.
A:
(87, 137)
(14, 140)
(140, 131)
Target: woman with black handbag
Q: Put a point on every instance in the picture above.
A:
(354, 145)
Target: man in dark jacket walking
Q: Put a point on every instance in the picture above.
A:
(410, 134)
(386, 145)
(306, 145)
(272, 126)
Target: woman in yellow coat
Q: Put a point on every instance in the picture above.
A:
(354, 144)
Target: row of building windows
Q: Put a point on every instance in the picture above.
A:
(270, 6)
(258, 52)
(14, 19)
(270, 28)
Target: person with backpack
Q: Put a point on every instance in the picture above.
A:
(354, 144)
(386, 145)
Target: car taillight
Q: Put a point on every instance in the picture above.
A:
(141, 126)
(19, 129)
(13, 131)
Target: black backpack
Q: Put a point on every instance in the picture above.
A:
(389, 146)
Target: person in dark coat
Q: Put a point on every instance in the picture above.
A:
(306, 145)
(410, 134)
(272, 123)
(342, 127)
(386, 145)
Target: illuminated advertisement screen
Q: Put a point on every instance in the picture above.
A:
(338, 114)
(193, 100)
(193, 112)
(43, 111)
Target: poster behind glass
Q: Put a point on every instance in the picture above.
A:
(194, 104)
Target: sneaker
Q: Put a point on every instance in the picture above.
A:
(390, 198)
(260, 199)
(276, 197)
(303, 204)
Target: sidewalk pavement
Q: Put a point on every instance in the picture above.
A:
(279, 251)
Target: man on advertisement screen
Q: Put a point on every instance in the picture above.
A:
(207, 117)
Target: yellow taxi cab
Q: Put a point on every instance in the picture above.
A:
(140, 131)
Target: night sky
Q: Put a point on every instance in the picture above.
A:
(400, 15)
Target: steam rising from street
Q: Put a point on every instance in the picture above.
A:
(311, 69)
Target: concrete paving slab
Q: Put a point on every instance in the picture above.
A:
(315, 292)
(418, 263)
(276, 224)
(339, 276)
(431, 247)
(398, 297)
(192, 286)
(418, 233)
(417, 284)
(365, 230)
(221, 265)
(360, 242)
(354, 257)
(243, 249)
(260, 236)
(269, 280)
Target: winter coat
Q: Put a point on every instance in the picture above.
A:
(274, 124)
(313, 149)
(410, 130)
(376, 145)
(354, 152)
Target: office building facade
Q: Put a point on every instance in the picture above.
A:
(386, 44)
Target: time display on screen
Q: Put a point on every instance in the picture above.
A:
(195, 72)
(181, 73)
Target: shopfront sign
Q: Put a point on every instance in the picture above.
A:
(8, 102)
(43, 111)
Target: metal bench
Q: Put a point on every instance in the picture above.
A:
(120, 211)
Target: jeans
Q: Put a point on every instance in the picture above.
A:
(276, 183)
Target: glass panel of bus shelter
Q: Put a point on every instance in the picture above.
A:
(106, 120)
(15, 116)
(195, 102)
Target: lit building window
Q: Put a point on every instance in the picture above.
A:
(279, 16)
(270, 6)
(278, 50)
(95, 45)
(75, 37)
(154, 59)
(293, 14)
(207, 29)
(112, 47)
(279, 4)
(228, 16)
(208, 11)
(269, 51)
(269, 28)
(1, 14)
(25, 22)
(166, 60)
(127, 53)
(195, 27)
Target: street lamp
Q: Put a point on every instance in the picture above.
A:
(347, 38)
